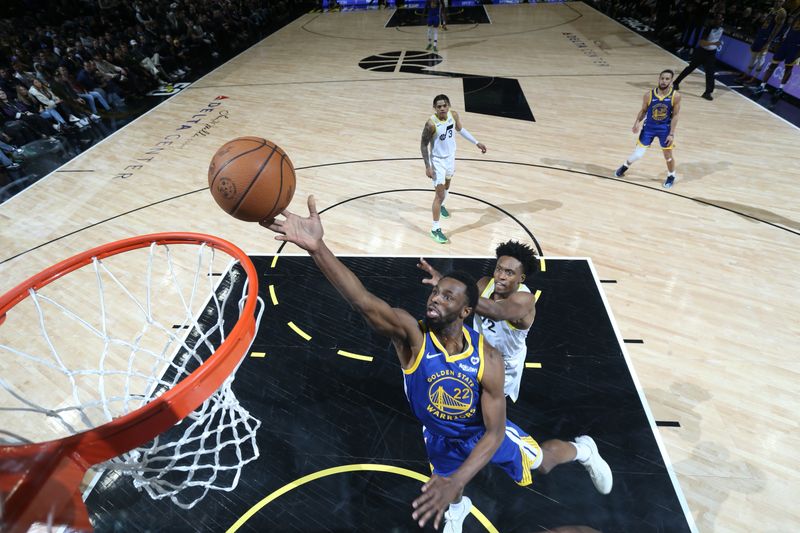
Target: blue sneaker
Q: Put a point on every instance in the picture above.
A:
(438, 236)
(620, 171)
(444, 212)
(670, 181)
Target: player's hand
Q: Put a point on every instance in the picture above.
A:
(304, 232)
(670, 139)
(432, 272)
(437, 495)
(429, 172)
(481, 147)
(635, 128)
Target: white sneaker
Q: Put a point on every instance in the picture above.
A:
(94, 117)
(453, 522)
(598, 469)
(73, 118)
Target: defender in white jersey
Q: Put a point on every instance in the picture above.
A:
(506, 309)
(439, 135)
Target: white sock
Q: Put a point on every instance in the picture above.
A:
(435, 225)
(780, 86)
(435, 36)
(457, 508)
(445, 197)
(672, 174)
(584, 452)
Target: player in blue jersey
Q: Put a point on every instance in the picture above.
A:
(788, 53)
(453, 382)
(434, 11)
(657, 118)
(767, 32)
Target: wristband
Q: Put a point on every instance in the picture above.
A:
(468, 136)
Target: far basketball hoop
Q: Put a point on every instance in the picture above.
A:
(129, 352)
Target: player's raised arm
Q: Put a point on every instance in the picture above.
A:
(440, 491)
(519, 309)
(397, 324)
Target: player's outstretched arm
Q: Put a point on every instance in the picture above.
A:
(519, 309)
(439, 492)
(307, 233)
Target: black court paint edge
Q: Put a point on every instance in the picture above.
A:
(533, 165)
(74, 171)
(608, 281)
(633, 341)
(668, 423)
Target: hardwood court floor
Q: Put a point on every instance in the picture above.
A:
(705, 271)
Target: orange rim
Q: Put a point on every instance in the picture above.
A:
(43, 478)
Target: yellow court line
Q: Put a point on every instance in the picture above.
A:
(535, 296)
(339, 470)
(299, 331)
(355, 355)
(272, 295)
(274, 261)
(533, 365)
(258, 354)
(542, 266)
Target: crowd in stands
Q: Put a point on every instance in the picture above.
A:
(676, 23)
(68, 66)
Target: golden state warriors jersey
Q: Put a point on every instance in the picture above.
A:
(443, 390)
(659, 112)
(444, 142)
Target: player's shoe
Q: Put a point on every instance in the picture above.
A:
(453, 522)
(777, 95)
(707, 96)
(444, 212)
(435, 48)
(438, 236)
(430, 45)
(669, 182)
(621, 171)
(598, 469)
(758, 90)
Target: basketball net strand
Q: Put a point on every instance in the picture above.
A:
(207, 449)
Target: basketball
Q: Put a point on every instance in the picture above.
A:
(251, 178)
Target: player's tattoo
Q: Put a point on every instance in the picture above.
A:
(427, 135)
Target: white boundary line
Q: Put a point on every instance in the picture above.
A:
(716, 81)
(662, 448)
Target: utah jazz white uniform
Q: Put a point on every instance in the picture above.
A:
(444, 393)
(443, 152)
(508, 340)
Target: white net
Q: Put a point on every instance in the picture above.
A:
(110, 337)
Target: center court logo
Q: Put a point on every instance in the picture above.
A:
(451, 397)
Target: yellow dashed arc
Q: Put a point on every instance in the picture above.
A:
(340, 470)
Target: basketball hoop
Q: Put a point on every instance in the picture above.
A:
(156, 403)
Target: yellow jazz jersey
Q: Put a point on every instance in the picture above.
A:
(443, 390)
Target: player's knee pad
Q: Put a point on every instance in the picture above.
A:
(637, 154)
